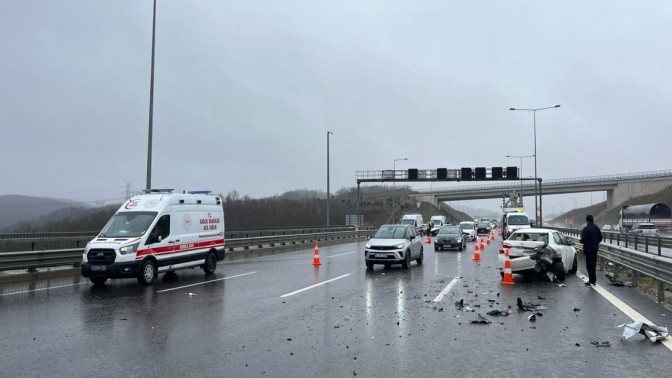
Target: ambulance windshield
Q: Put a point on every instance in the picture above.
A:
(128, 224)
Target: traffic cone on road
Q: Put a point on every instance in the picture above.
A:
(482, 246)
(477, 254)
(507, 279)
(316, 257)
(429, 240)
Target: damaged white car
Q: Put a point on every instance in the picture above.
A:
(539, 251)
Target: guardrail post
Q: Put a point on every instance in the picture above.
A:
(659, 246)
(635, 243)
(626, 241)
(618, 240)
(660, 288)
(634, 278)
(646, 244)
(617, 270)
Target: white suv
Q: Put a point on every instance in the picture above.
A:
(468, 230)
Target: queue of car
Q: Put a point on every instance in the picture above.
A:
(532, 251)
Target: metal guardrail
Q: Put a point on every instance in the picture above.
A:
(73, 256)
(645, 262)
(647, 244)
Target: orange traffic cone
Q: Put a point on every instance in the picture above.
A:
(429, 240)
(487, 241)
(477, 254)
(482, 246)
(507, 279)
(316, 257)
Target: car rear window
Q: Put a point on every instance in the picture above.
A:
(483, 225)
(647, 226)
(529, 236)
(449, 230)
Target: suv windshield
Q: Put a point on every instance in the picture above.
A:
(436, 222)
(390, 232)
(408, 221)
(518, 220)
(449, 230)
(128, 224)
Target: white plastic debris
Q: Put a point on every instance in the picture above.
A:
(192, 294)
(653, 333)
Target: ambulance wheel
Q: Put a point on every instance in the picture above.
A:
(210, 264)
(98, 281)
(147, 273)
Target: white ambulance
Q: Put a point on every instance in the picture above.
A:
(156, 232)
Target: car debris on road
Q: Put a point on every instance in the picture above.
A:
(653, 333)
(481, 320)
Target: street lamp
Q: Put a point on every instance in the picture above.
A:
(151, 105)
(394, 178)
(521, 169)
(328, 192)
(534, 111)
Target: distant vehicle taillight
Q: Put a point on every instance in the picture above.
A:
(639, 231)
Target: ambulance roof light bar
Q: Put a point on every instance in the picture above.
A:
(147, 191)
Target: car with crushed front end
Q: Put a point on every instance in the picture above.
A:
(394, 244)
(539, 251)
(450, 237)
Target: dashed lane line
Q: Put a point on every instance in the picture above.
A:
(446, 290)
(625, 308)
(205, 282)
(314, 286)
(42, 289)
(342, 254)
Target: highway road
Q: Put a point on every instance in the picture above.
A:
(279, 316)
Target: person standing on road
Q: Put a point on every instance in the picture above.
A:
(591, 236)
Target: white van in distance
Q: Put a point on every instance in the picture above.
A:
(157, 232)
(414, 220)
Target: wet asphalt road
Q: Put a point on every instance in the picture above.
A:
(245, 321)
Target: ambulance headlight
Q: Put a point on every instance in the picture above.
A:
(125, 250)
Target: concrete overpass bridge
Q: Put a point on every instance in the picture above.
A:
(619, 188)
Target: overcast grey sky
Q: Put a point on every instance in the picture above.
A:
(245, 91)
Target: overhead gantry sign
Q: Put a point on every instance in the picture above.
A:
(439, 174)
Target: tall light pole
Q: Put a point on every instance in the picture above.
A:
(151, 105)
(572, 198)
(328, 192)
(394, 179)
(521, 169)
(534, 112)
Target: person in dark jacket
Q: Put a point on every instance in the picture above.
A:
(591, 238)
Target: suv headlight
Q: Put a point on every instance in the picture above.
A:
(368, 245)
(400, 246)
(125, 250)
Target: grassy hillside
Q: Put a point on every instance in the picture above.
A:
(15, 209)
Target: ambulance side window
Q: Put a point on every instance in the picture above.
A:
(160, 231)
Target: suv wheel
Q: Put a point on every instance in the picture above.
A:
(422, 255)
(369, 265)
(574, 267)
(407, 260)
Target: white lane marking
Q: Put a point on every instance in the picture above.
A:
(342, 254)
(205, 282)
(314, 286)
(44, 288)
(625, 308)
(445, 291)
